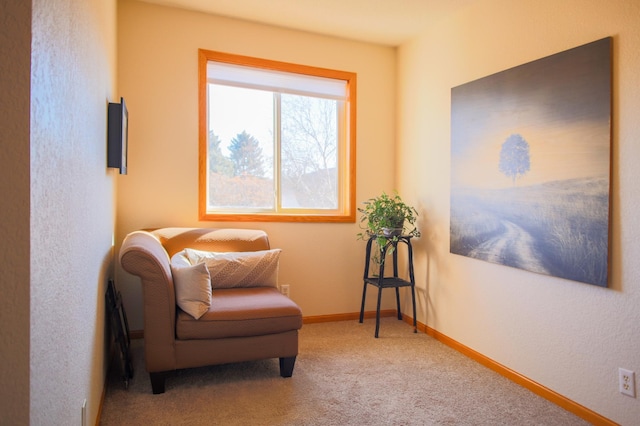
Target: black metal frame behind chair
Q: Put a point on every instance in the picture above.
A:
(120, 331)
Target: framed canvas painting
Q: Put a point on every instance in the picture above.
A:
(530, 165)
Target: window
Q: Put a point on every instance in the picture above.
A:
(277, 141)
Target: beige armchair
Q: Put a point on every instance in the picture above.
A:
(242, 324)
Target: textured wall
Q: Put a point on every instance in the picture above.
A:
(568, 336)
(15, 48)
(157, 60)
(72, 205)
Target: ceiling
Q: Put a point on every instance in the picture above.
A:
(387, 22)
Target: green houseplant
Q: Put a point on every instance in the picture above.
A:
(387, 218)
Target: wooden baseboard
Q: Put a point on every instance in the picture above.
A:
(139, 334)
(346, 317)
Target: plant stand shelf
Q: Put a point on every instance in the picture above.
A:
(394, 281)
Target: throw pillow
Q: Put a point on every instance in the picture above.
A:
(193, 287)
(239, 269)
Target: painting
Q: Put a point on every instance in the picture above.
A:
(530, 165)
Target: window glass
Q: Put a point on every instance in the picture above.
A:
(240, 149)
(309, 151)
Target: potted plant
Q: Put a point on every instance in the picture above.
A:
(387, 218)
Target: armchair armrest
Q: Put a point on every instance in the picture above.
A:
(141, 254)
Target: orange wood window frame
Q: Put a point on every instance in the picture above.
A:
(348, 166)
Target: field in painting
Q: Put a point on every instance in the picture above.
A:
(558, 228)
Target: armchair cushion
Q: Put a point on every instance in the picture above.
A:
(238, 269)
(242, 312)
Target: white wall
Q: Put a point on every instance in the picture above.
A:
(157, 59)
(72, 206)
(15, 51)
(568, 336)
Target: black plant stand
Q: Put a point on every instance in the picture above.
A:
(389, 282)
(119, 331)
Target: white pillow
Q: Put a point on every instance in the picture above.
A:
(193, 286)
(239, 269)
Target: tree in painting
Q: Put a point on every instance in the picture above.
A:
(514, 157)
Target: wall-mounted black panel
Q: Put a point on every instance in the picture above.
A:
(117, 136)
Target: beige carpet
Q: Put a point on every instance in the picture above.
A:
(343, 376)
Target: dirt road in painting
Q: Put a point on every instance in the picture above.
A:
(514, 247)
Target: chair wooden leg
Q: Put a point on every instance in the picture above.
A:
(286, 366)
(157, 382)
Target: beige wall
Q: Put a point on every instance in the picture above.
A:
(15, 51)
(72, 206)
(567, 336)
(157, 57)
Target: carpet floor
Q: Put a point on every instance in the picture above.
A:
(343, 376)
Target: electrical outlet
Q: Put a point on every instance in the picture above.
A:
(284, 289)
(627, 382)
